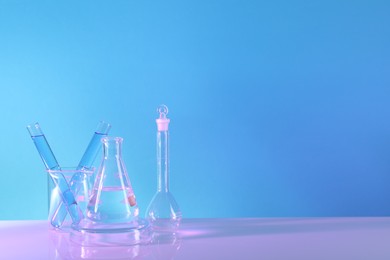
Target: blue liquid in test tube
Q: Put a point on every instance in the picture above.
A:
(94, 146)
(51, 163)
(45, 152)
(86, 162)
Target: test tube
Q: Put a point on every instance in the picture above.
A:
(51, 163)
(94, 146)
(86, 162)
(43, 147)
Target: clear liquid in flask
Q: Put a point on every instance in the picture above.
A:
(112, 205)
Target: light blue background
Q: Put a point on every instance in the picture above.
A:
(278, 108)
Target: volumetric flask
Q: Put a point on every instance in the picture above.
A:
(163, 212)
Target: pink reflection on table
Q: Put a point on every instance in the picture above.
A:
(161, 246)
(292, 238)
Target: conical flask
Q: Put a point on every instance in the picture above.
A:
(112, 206)
(163, 212)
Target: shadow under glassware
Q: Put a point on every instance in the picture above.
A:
(79, 183)
(162, 246)
(165, 245)
(76, 251)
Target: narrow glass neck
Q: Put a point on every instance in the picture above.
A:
(162, 161)
(112, 148)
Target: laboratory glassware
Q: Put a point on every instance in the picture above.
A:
(43, 146)
(163, 212)
(94, 145)
(58, 178)
(81, 198)
(80, 180)
(112, 211)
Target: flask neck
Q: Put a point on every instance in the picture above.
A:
(112, 148)
(162, 161)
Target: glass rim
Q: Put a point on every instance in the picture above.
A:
(71, 169)
(111, 139)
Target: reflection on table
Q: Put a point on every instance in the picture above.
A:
(267, 238)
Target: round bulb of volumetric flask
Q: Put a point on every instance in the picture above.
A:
(163, 212)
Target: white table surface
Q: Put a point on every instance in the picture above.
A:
(248, 238)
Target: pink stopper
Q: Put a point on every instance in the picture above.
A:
(162, 124)
(162, 121)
